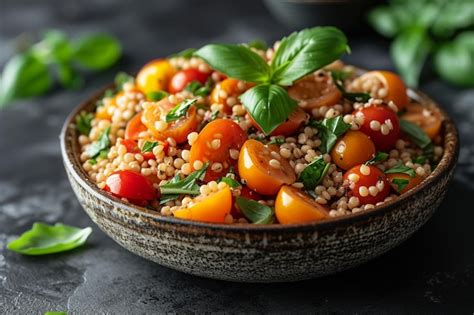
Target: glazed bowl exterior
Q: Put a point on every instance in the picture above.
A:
(255, 253)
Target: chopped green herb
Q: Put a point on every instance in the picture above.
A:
(258, 44)
(338, 78)
(83, 122)
(180, 110)
(156, 96)
(55, 313)
(276, 140)
(103, 144)
(401, 168)
(329, 130)
(45, 239)
(379, 157)
(232, 183)
(314, 173)
(198, 89)
(148, 146)
(121, 78)
(254, 211)
(401, 183)
(92, 161)
(420, 159)
(415, 133)
(187, 186)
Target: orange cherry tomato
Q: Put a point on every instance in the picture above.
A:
(290, 126)
(294, 206)
(130, 185)
(395, 88)
(368, 183)
(316, 90)
(428, 120)
(230, 87)
(213, 145)
(412, 181)
(135, 127)
(155, 76)
(212, 208)
(178, 129)
(355, 147)
(254, 167)
(182, 78)
(387, 130)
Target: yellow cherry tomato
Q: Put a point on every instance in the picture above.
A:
(155, 76)
(212, 208)
(355, 147)
(294, 206)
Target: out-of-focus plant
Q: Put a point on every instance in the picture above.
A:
(442, 29)
(32, 71)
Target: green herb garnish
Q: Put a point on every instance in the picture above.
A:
(314, 173)
(83, 122)
(276, 140)
(420, 159)
(45, 239)
(254, 211)
(379, 157)
(298, 55)
(156, 96)
(103, 144)
(121, 78)
(329, 130)
(179, 110)
(338, 77)
(232, 183)
(415, 133)
(401, 183)
(401, 168)
(198, 89)
(148, 146)
(186, 186)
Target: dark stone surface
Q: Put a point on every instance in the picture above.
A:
(433, 272)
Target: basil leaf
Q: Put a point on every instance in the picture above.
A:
(420, 159)
(258, 44)
(45, 239)
(357, 97)
(304, 52)
(55, 313)
(187, 53)
(338, 77)
(97, 51)
(401, 183)
(314, 173)
(455, 15)
(83, 122)
(172, 190)
(269, 105)
(156, 96)
(198, 89)
(230, 182)
(379, 157)
(276, 140)
(103, 144)
(179, 110)
(148, 146)
(121, 78)
(254, 211)
(24, 76)
(329, 130)
(415, 133)
(236, 61)
(401, 168)
(384, 21)
(54, 47)
(454, 61)
(409, 52)
(69, 77)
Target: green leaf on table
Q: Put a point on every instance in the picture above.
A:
(401, 168)
(454, 61)
(69, 77)
(83, 122)
(186, 186)
(179, 110)
(254, 211)
(306, 51)
(269, 105)
(97, 51)
(45, 239)
(314, 173)
(236, 61)
(329, 130)
(101, 145)
(55, 47)
(409, 52)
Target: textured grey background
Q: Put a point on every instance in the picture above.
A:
(430, 273)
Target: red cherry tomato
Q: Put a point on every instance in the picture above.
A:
(368, 183)
(381, 124)
(213, 145)
(184, 77)
(131, 185)
(135, 127)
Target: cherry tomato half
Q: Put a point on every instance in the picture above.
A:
(294, 206)
(135, 127)
(182, 78)
(428, 120)
(213, 145)
(381, 124)
(315, 90)
(256, 170)
(155, 76)
(131, 185)
(355, 147)
(368, 183)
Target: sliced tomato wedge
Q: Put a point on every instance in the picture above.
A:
(135, 127)
(315, 90)
(131, 185)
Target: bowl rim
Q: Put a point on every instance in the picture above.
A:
(74, 166)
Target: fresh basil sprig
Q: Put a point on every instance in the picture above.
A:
(329, 130)
(83, 122)
(379, 157)
(148, 146)
(314, 173)
(298, 55)
(401, 168)
(179, 110)
(99, 146)
(45, 239)
(254, 211)
(186, 186)
(401, 183)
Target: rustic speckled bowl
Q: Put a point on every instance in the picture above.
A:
(254, 253)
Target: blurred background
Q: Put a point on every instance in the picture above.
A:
(430, 43)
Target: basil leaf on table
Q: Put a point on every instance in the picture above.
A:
(254, 211)
(96, 52)
(69, 77)
(97, 147)
(401, 168)
(179, 110)
(314, 173)
(45, 239)
(156, 95)
(401, 183)
(83, 122)
(188, 186)
(329, 130)
(236, 61)
(306, 51)
(269, 105)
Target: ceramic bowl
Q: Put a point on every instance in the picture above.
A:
(254, 253)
